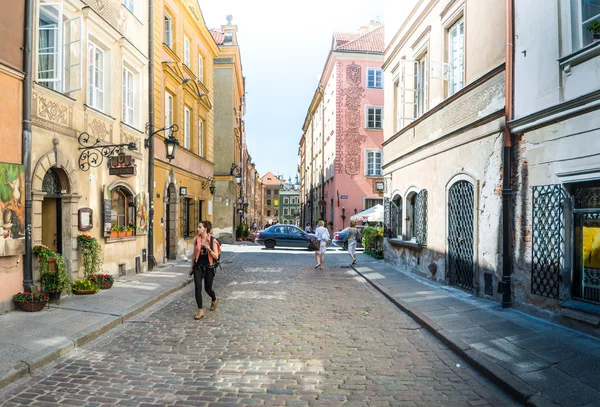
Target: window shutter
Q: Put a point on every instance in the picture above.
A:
(72, 55)
(548, 239)
(421, 217)
(49, 46)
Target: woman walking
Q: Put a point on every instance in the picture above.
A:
(206, 250)
(351, 239)
(323, 235)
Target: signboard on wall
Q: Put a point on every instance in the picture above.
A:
(12, 209)
(141, 213)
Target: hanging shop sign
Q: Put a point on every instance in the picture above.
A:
(122, 165)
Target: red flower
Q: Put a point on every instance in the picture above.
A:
(27, 293)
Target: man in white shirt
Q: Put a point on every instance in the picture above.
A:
(307, 229)
(323, 235)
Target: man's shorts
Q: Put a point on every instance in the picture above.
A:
(352, 247)
(323, 248)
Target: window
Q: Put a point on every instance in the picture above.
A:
(95, 76)
(276, 213)
(422, 86)
(285, 222)
(128, 90)
(583, 12)
(416, 216)
(189, 217)
(371, 202)
(285, 211)
(374, 78)
(268, 202)
(374, 117)
(268, 213)
(268, 192)
(60, 52)
(293, 211)
(374, 158)
(276, 202)
(228, 39)
(187, 127)
(201, 137)
(286, 201)
(129, 5)
(168, 31)
(168, 110)
(200, 68)
(276, 192)
(122, 212)
(456, 56)
(186, 51)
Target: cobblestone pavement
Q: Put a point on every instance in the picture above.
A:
(284, 334)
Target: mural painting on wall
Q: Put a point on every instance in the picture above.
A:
(12, 209)
(353, 95)
(141, 213)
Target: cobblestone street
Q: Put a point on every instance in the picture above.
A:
(284, 334)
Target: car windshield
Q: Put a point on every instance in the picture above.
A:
(294, 230)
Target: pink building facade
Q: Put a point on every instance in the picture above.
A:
(340, 150)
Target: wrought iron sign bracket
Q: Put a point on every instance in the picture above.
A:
(93, 152)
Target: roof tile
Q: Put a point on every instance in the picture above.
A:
(373, 41)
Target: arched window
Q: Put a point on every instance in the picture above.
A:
(122, 207)
(396, 216)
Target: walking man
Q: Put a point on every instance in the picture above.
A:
(323, 236)
(351, 240)
(206, 250)
(308, 229)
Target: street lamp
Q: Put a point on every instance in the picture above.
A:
(210, 183)
(171, 142)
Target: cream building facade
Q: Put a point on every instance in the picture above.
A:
(90, 89)
(444, 80)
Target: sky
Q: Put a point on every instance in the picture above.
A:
(284, 47)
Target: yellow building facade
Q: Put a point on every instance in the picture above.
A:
(183, 95)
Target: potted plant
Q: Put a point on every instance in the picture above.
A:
(130, 230)
(91, 252)
(104, 281)
(122, 231)
(594, 28)
(239, 231)
(55, 281)
(30, 302)
(114, 231)
(85, 286)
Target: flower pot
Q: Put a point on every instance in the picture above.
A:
(53, 296)
(84, 292)
(52, 264)
(31, 306)
(122, 234)
(105, 285)
(129, 233)
(114, 235)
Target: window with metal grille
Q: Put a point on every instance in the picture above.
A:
(421, 217)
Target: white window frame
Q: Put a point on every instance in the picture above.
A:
(374, 114)
(187, 127)
(200, 68)
(377, 74)
(96, 83)
(168, 27)
(186, 51)
(371, 158)
(129, 93)
(201, 137)
(169, 103)
(456, 56)
(67, 50)
(580, 34)
(129, 5)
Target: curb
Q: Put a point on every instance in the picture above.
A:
(78, 339)
(498, 375)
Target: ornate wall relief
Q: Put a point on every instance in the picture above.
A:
(352, 138)
(97, 128)
(132, 138)
(111, 10)
(339, 122)
(51, 115)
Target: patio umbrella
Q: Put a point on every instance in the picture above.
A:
(373, 214)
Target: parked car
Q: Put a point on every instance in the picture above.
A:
(339, 237)
(283, 236)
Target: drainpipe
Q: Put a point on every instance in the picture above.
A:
(151, 259)
(507, 210)
(26, 142)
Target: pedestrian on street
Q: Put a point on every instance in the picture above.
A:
(308, 229)
(351, 237)
(323, 236)
(203, 257)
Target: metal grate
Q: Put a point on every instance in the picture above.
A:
(421, 217)
(51, 183)
(387, 223)
(460, 235)
(548, 240)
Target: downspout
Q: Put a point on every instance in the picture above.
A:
(507, 210)
(323, 214)
(151, 259)
(26, 142)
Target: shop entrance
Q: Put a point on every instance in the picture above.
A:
(52, 235)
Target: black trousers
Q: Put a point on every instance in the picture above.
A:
(201, 272)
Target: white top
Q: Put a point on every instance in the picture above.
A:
(322, 234)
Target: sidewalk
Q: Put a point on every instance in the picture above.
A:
(538, 362)
(29, 340)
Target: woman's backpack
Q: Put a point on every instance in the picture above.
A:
(215, 262)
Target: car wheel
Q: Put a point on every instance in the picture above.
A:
(269, 244)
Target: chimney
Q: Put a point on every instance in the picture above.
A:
(364, 29)
(374, 24)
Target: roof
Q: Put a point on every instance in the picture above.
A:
(342, 38)
(218, 36)
(372, 41)
(270, 180)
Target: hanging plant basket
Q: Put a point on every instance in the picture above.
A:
(84, 292)
(32, 306)
(105, 285)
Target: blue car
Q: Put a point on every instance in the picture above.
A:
(339, 237)
(283, 236)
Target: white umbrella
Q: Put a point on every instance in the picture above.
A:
(373, 214)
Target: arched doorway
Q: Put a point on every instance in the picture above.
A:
(460, 236)
(52, 230)
(171, 223)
